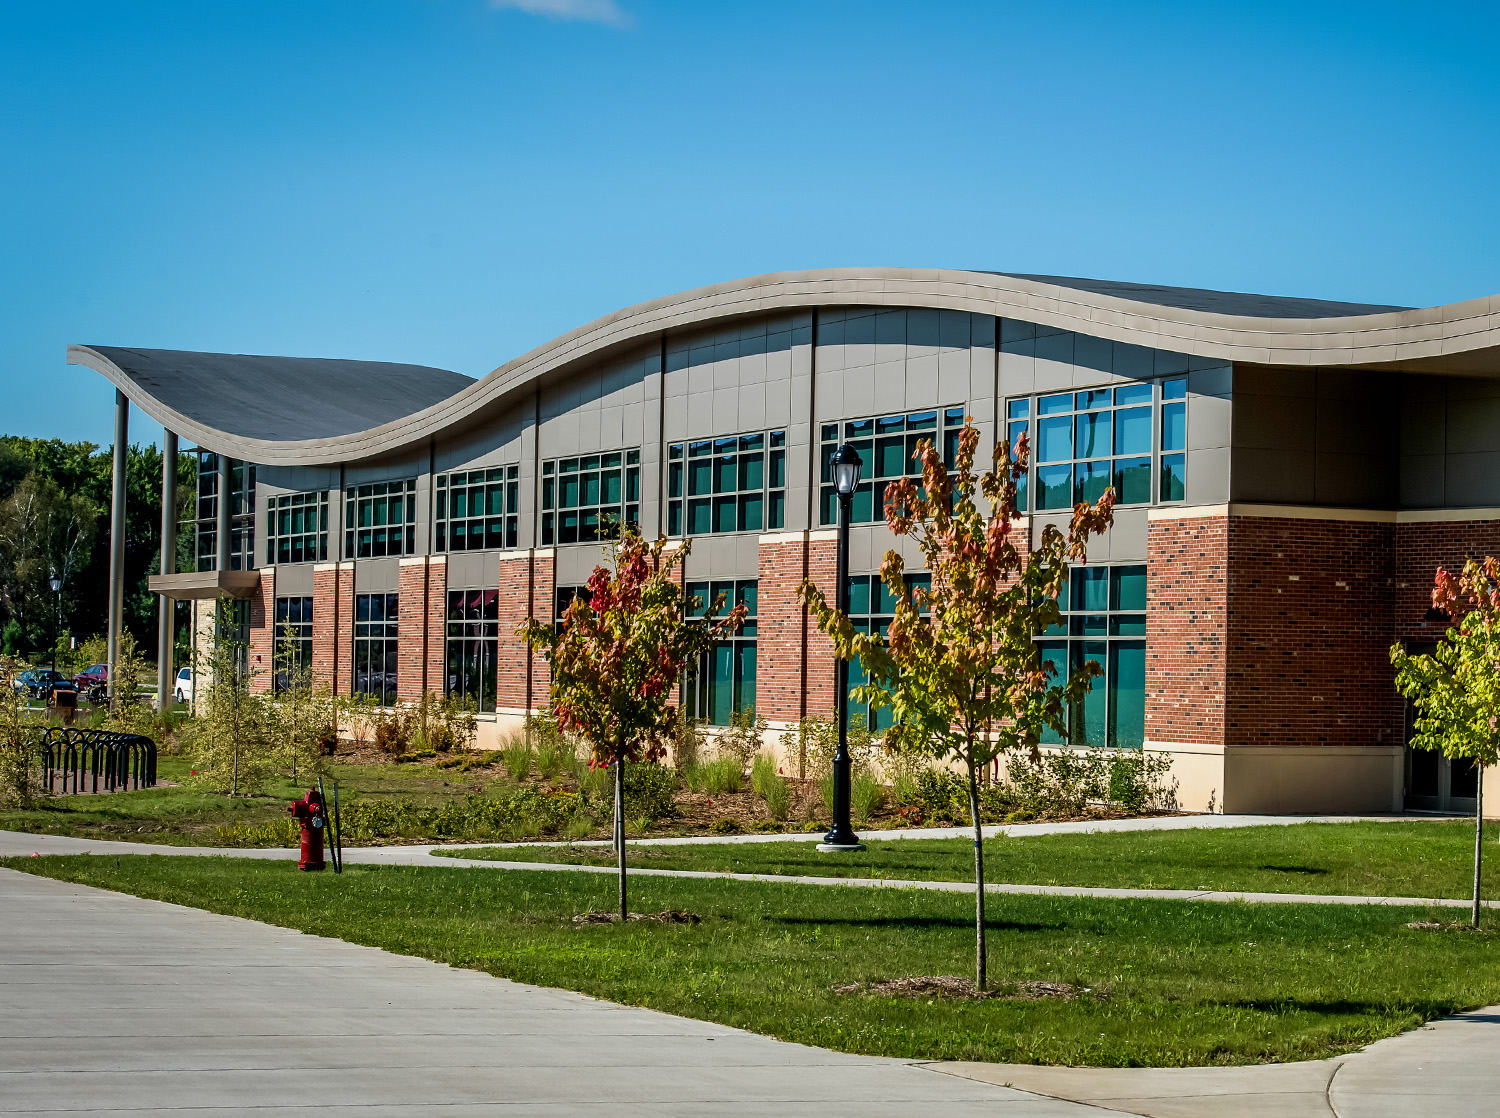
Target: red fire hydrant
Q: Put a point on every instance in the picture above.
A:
(308, 812)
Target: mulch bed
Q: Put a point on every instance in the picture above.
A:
(668, 916)
(952, 986)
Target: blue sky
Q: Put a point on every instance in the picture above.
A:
(451, 182)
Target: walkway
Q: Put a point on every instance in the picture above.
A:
(112, 1004)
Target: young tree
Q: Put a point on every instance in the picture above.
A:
(619, 657)
(230, 741)
(1456, 690)
(20, 782)
(959, 668)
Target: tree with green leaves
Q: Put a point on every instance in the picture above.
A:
(619, 656)
(958, 666)
(1456, 690)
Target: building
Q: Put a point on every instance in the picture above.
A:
(1290, 472)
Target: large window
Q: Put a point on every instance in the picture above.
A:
(478, 509)
(1085, 442)
(1104, 620)
(588, 498)
(293, 639)
(888, 447)
(734, 484)
(241, 514)
(380, 519)
(722, 683)
(872, 608)
(473, 643)
(375, 647)
(297, 528)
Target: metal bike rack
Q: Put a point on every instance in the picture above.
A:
(91, 757)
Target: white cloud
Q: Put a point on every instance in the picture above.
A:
(592, 11)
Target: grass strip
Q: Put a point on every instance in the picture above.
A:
(1398, 859)
(1170, 983)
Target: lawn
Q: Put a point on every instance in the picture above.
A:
(1398, 859)
(187, 816)
(1170, 983)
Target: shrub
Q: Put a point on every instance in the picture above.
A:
(778, 797)
(742, 739)
(649, 790)
(278, 832)
(721, 775)
(515, 751)
(687, 742)
(726, 826)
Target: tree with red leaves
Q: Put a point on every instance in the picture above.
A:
(620, 655)
(958, 666)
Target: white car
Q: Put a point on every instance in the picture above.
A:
(182, 689)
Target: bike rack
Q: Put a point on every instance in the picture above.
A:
(121, 761)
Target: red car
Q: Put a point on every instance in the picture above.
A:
(93, 676)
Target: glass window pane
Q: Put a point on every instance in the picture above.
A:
(864, 505)
(890, 457)
(778, 469)
(752, 507)
(1174, 389)
(1051, 405)
(1127, 694)
(726, 477)
(1018, 409)
(1128, 625)
(777, 516)
(1094, 398)
(1133, 431)
(1173, 478)
(1090, 589)
(859, 595)
(700, 477)
(610, 486)
(698, 516)
(1133, 481)
(1055, 439)
(1127, 588)
(1054, 487)
(724, 513)
(1090, 481)
(1093, 435)
(1053, 654)
(1087, 726)
(922, 421)
(1132, 394)
(1174, 426)
(752, 471)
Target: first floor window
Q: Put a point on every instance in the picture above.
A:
(589, 498)
(872, 608)
(1104, 621)
(380, 519)
(722, 683)
(887, 446)
(473, 643)
(297, 527)
(563, 599)
(375, 647)
(478, 509)
(293, 640)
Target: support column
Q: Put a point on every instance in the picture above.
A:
(117, 535)
(165, 605)
(226, 499)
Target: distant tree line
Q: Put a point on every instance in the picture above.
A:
(54, 516)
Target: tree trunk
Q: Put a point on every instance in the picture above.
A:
(1478, 831)
(979, 953)
(620, 830)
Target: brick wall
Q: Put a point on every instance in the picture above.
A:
(818, 661)
(514, 608)
(324, 633)
(419, 627)
(1420, 550)
(1310, 624)
(543, 603)
(263, 632)
(1186, 620)
(781, 628)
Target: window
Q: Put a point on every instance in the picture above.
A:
(1085, 442)
(734, 484)
(872, 608)
(478, 509)
(887, 446)
(297, 528)
(1104, 620)
(587, 498)
(292, 639)
(241, 514)
(473, 644)
(722, 683)
(375, 647)
(380, 519)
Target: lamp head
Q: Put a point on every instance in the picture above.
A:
(54, 580)
(846, 467)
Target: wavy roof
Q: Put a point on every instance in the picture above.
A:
(305, 411)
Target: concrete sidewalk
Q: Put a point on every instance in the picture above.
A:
(17, 843)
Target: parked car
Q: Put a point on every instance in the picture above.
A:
(182, 689)
(41, 682)
(91, 677)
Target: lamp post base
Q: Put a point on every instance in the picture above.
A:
(840, 847)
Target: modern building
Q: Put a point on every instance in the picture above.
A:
(1290, 472)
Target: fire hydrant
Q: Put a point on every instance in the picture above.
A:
(308, 812)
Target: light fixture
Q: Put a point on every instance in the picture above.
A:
(846, 467)
(54, 580)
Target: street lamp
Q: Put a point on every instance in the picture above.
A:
(841, 838)
(54, 580)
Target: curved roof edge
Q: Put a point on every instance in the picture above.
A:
(1458, 337)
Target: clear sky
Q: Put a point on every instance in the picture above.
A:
(451, 182)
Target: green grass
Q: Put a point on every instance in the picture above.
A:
(1181, 983)
(1398, 859)
(186, 816)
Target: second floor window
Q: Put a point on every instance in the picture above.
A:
(734, 484)
(478, 509)
(297, 528)
(887, 446)
(380, 519)
(588, 498)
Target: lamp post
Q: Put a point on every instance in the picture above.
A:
(54, 580)
(841, 838)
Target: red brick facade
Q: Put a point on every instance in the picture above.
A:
(1310, 625)
(543, 605)
(1186, 623)
(512, 656)
(263, 632)
(1420, 550)
(794, 662)
(333, 626)
(421, 609)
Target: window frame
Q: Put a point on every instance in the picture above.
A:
(874, 437)
(471, 646)
(498, 531)
(627, 510)
(368, 494)
(377, 638)
(738, 653)
(736, 453)
(289, 505)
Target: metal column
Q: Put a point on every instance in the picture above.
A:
(226, 501)
(165, 605)
(117, 535)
